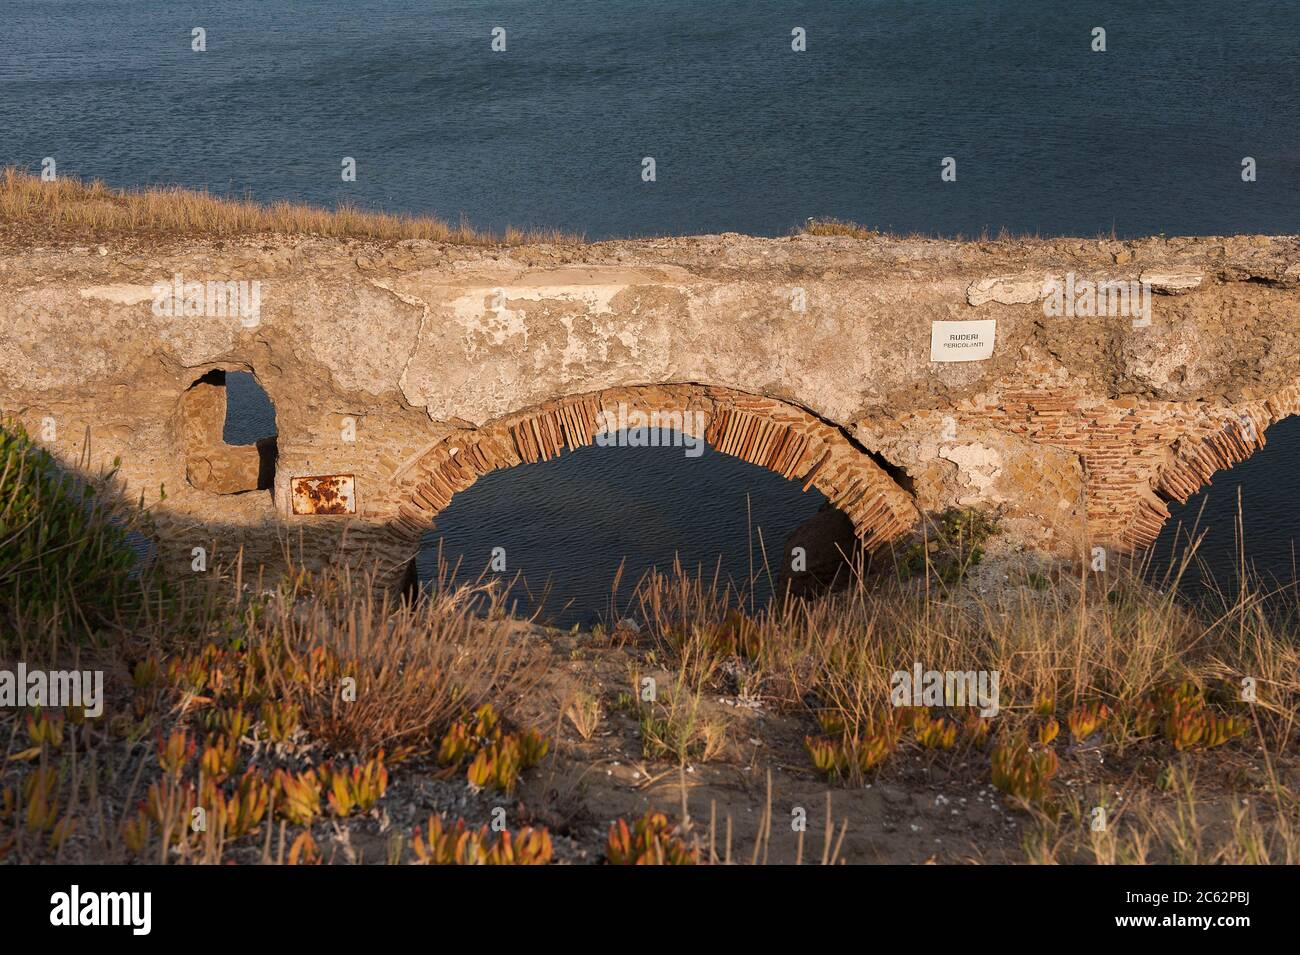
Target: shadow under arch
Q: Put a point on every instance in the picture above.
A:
(774, 434)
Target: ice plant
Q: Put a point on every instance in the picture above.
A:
(825, 756)
(1086, 719)
(1022, 772)
(46, 731)
(42, 799)
(357, 789)
(651, 840)
(976, 730)
(495, 757)
(1184, 725)
(220, 759)
(1048, 731)
(850, 757)
(244, 810)
(297, 796)
(304, 850)
(280, 720)
(175, 752)
(1220, 729)
(936, 734)
(457, 844)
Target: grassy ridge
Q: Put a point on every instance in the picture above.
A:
(93, 211)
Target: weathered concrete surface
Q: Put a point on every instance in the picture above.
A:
(446, 361)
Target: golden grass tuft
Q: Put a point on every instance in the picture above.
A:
(838, 227)
(69, 207)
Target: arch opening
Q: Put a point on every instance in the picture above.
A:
(800, 448)
(574, 534)
(1243, 513)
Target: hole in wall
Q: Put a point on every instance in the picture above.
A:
(229, 434)
(250, 415)
(250, 419)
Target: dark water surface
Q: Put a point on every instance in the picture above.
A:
(748, 136)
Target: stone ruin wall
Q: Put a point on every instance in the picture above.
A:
(1078, 430)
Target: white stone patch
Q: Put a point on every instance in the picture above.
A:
(472, 308)
(1157, 362)
(1172, 281)
(575, 349)
(1023, 289)
(119, 294)
(595, 299)
(979, 467)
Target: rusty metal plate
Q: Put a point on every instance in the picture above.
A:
(324, 494)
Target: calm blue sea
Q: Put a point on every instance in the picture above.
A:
(1049, 137)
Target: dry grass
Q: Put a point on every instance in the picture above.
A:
(248, 686)
(1111, 640)
(673, 724)
(223, 697)
(854, 230)
(414, 668)
(838, 227)
(198, 661)
(1178, 826)
(1108, 640)
(71, 208)
(584, 713)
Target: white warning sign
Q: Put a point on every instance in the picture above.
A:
(962, 341)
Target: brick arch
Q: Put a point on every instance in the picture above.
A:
(1194, 458)
(763, 431)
